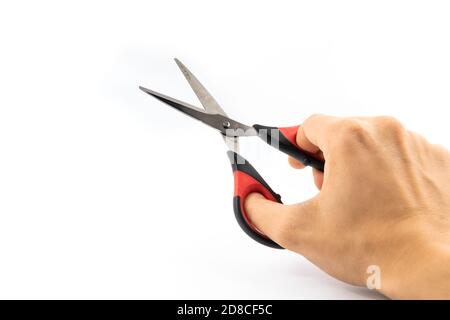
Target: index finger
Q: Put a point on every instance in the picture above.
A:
(316, 131)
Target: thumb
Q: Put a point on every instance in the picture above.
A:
(287, 225)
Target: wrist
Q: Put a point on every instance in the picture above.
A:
(420, 271)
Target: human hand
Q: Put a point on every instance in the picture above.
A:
(384, 200)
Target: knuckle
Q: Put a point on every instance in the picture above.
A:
(392, 128)
(286, 234)
(351, 130)
(389, 123)
(350, 125)
(285, 239)
(297, 227)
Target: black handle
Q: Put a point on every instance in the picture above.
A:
(284, 139)
(246, 181)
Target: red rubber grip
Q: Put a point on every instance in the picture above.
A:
(244, 184)
(290, 133)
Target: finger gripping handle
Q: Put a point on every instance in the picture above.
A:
(285, 140)
(246, 181)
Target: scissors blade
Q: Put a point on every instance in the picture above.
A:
(228, 127)
(206, 99)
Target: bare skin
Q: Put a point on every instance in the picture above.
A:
(384, 200)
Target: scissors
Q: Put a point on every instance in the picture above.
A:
(246, 178)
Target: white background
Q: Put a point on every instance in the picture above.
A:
(107, 193)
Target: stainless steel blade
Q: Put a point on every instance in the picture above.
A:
(207, 101)
(229, 128)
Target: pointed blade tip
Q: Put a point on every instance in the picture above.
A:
(177, 61)
(144, 89)
(148, 91)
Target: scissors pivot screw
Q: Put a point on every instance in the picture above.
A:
(226, 124)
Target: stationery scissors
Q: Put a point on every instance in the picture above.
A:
(246, 178)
